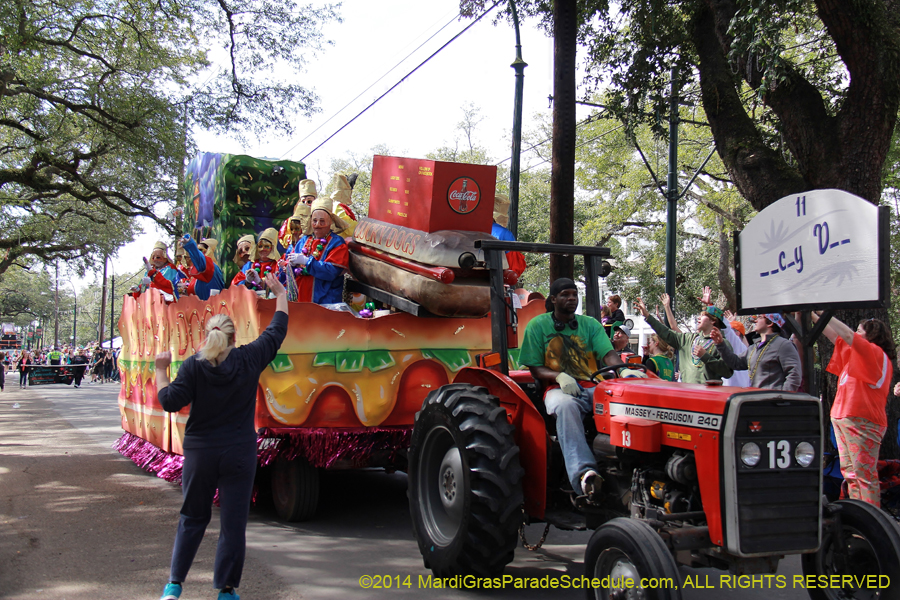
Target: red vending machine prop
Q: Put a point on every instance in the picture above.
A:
(431, 195)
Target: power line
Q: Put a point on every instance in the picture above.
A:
(588, 120)
(386, 73)
(584, 143)
(393, 87)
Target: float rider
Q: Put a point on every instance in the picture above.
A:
(205, 278)
(321, 257)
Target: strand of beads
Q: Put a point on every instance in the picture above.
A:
(313, 254)
(260, 271)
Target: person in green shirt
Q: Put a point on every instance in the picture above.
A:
(55, 356)
(698, 359)
(658, 358)
(562, 350)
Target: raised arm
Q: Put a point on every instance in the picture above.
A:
(835, 328)
(670, 316)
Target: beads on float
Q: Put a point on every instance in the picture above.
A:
(366, 313)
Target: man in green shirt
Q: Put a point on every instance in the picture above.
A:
(55, 356)
(562, 349)
(698, 359)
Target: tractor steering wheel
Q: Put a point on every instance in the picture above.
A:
(615, 369)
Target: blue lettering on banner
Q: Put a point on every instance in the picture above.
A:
(820, 231)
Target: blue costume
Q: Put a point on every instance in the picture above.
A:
(205, 274)
(323, 281)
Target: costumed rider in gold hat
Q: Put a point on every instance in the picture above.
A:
(205, 278)
(293, 229)
(320, 257)
(263, 260)
(341, 199)
(246, 246)
(161, 274)
(501, 219)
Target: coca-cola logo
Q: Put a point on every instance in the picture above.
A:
(463, 195)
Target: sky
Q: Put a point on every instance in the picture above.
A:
(422, 113)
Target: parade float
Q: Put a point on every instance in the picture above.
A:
(344, 388)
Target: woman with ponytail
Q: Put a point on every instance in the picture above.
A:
(219, 383)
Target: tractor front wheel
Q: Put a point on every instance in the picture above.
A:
(465, 493)
(627, 549)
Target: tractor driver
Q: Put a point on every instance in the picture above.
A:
(561, 348)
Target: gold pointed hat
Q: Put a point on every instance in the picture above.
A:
(270, 235)
(337, 224)
(245, 238)
(501, 210)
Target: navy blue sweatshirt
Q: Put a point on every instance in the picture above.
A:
(223, 397)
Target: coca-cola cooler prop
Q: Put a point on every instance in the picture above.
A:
(418, 241)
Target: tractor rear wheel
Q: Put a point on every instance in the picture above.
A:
(624, 549)
(465, 482)
(871, 544)
(295, 489)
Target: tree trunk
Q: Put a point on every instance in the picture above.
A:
(843, 149)
(562, 177)
(724, 273)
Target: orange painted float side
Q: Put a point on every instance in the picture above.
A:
(334, 370)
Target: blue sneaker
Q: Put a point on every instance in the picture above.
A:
(232, 595)
(172, 591)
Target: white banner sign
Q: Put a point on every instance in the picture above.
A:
(819, 247)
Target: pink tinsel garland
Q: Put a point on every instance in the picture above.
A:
(164, 465)
(322, 447)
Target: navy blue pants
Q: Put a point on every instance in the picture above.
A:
(231, 469)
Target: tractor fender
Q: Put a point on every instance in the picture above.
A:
(530, 434)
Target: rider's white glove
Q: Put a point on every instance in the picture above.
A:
(568, 384)
(145, 281)
(297, 259)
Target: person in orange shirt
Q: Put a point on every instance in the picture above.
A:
(862, 360)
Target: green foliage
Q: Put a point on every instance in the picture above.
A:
(361, 165)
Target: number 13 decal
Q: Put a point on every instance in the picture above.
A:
(779, 454)
(626, 438)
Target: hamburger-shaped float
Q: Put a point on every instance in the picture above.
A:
(418, 241)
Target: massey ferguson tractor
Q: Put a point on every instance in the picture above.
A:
(704, 476)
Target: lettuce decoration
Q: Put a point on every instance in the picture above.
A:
(355, 361)
(282, 363)
(452, 358)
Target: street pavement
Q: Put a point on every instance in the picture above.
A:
(78, 521)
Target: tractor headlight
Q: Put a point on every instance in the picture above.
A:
(750, 454)
(805, 454)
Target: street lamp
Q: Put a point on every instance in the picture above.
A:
(74, 317)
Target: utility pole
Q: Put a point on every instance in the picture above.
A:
(75, 319)
(102, 305)
(112, 311)
(672, 193)
(56, 316)
(519, 66)
(562, 170)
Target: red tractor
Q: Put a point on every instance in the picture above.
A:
(705, 476)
